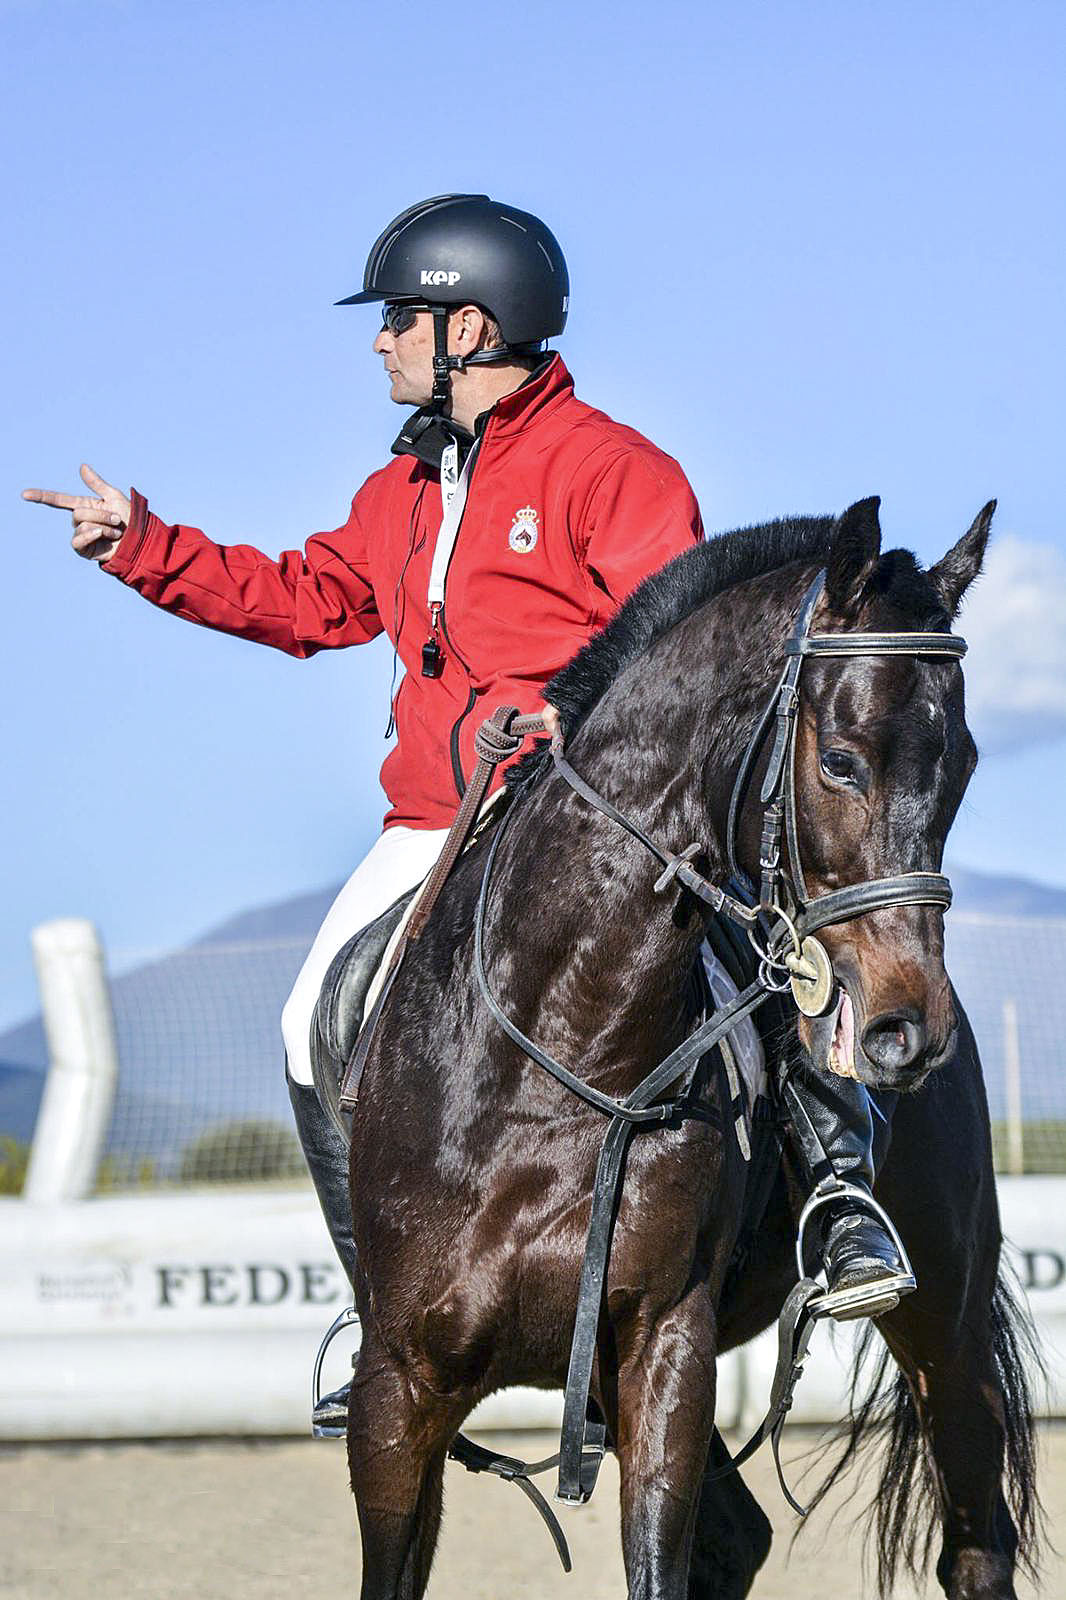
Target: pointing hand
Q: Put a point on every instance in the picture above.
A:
(99, 519)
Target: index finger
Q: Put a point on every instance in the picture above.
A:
(52, 497)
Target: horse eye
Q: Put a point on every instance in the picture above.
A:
(839, 765)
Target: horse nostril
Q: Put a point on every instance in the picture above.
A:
(895, 1039)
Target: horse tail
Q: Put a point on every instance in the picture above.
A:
(1016, 1352)
(882, 1410)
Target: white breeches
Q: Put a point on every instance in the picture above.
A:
(400, 859)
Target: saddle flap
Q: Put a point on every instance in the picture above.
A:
(341, 1005)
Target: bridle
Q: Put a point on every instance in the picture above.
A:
(784, 899)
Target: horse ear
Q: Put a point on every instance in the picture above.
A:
(953, 575)
(853, 555)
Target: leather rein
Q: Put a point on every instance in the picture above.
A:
(791, 918)
(781, 928)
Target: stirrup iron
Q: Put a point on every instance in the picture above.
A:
(871, 1299)
(343, 1320)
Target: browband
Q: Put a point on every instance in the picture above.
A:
(877, 644)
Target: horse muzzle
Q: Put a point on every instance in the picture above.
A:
(896, 1049)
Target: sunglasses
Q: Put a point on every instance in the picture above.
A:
(400, 316)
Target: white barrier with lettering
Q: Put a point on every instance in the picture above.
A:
(183, 1314)
(200, 1313)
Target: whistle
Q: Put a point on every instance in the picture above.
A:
(432, 659)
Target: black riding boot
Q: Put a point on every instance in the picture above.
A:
(865, 1271)
(326, 1155)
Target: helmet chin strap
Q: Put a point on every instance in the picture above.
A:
(444, 364)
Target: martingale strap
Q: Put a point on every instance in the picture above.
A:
(578, 1463)
(601, 1225)
(582, 1440)
(677, 867)
(475, 1458)
(639, 1109)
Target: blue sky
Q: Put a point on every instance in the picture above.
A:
(816, 253)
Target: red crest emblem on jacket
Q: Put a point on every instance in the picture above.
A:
(524, 530)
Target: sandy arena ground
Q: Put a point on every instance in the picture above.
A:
(249, 1520)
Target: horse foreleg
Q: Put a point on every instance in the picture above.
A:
(665, 1418)
(398, 1435)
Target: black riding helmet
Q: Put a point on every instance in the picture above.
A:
(462, 249)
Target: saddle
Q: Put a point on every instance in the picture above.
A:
(342, 1003)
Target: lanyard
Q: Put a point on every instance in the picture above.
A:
(453, 489)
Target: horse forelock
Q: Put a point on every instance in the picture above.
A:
(902, 584)
(696, 577)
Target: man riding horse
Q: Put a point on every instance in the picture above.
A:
(507, 530)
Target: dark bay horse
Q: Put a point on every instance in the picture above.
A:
(472, 1170)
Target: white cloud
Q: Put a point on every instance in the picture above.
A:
(1015, 621)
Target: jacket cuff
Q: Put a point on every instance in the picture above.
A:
(122, 563)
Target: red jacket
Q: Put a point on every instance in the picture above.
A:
(566, 512)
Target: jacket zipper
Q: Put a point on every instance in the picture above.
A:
(457, 770)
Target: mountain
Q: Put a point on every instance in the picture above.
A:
(199, 1041)
(298, 918)
(991, 894)
(20, 1097)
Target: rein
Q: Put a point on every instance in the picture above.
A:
(780, 927)
(636, 1107)
(790, 947)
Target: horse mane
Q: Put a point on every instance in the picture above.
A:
(688, 582)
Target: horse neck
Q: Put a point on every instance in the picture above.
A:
(665, 741)
(597, 943)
